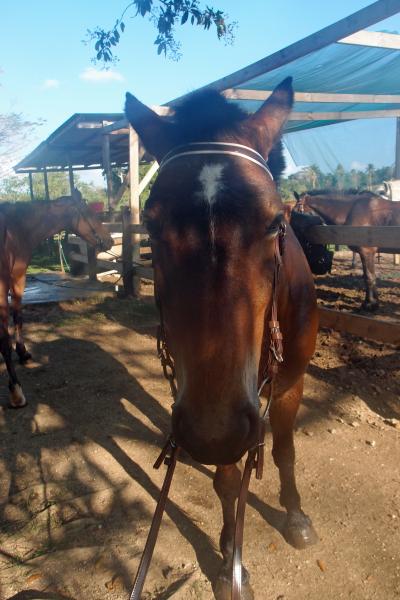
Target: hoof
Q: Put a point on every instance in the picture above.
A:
(17, 398)
(223, 585)
(299, 531)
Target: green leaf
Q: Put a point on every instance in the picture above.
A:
(185, 17)
(122, 27)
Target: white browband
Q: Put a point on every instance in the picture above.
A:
(257, 159)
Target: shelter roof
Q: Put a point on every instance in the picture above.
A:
(77, 142)
(340, 73)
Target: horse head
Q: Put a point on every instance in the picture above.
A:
(213, 216)
(83, 221)
(302, 200)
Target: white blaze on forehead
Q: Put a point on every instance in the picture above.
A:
(210, 178)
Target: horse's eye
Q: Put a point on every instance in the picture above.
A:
(273, 227)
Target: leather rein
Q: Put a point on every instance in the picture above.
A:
(255, 456)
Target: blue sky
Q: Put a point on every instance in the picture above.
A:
(46, 70)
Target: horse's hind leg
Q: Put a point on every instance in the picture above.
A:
(227, 481)
(17, 398)
(298, 530)
(367, 256)
(17, 290)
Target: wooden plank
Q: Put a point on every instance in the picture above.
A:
(397, 157)
(240, 94)
(127, 253)
(107, 265)
(345, 115)
(341, 29)
(92, 263)
(71, 179)
(375, 39)
(107, 168)
(147, 178)
(365, 327)
(113, 227)
(31, 187)
(385, 236)
(46, 184)
(145, 272)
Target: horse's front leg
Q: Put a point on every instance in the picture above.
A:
(17, 398)
(227, 482)
(17, 290)
(298, 530)
(367, 256)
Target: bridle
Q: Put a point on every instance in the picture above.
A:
(81, 215)
(255, 457)
(300, 205)
(221, 148)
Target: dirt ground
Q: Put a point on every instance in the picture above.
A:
(77, 488)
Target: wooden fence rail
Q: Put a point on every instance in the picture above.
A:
(380, 237)
(134, 264)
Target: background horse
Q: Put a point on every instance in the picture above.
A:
(23, 226)
(213, 216)
(354, 209)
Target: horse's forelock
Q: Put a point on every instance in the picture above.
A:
(205, 115)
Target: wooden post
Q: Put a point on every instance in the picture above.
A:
(46, 184)
(71, 179)
(397, 159)
(92, 263)
(134, 199)
(127, 253)
(31, 187)
(396, 257)
(107, 169)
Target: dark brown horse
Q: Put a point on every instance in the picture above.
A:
(354, 209)
(23, 226)
(213, 216)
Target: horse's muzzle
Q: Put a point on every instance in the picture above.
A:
(216, 439)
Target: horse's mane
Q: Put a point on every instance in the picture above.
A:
(339, 193)
(206, 115)
(24, 208)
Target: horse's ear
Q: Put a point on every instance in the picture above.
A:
(296, 195)
(156, 133)
(77, 196)
(266, 124)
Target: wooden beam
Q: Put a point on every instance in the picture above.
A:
(359, 20)
(107, 169)
(134, 175)
(71, 179)
(32, 196)
(240, 94)
(397, 156)
(46, 184)
(344, 116)
(365, 327)
(384, 236)
(147, 178)
(375, 39)
(134, 198)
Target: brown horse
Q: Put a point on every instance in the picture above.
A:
(354, 209)
(23, 226)
(213, 216)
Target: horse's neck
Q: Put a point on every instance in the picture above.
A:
(45, 223)
(334, 212)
